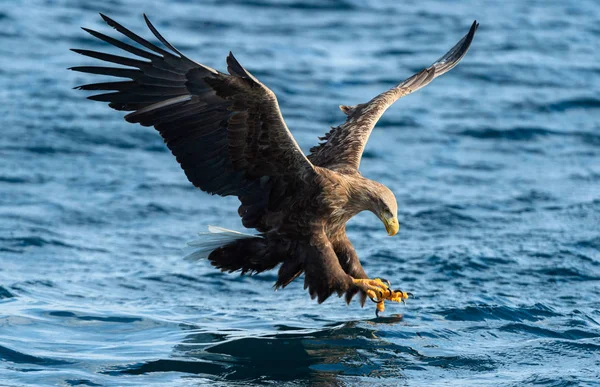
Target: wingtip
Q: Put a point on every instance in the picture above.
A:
(232, 61)
(146, 19)
(108, 20)
(472, 31)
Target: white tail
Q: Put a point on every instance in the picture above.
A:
(215, 237)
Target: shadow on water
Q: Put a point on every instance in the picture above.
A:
(291, 354)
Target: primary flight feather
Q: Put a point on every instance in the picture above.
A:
(228, 134)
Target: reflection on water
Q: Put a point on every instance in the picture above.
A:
(292, 354)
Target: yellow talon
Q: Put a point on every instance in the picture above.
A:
(378, 291)
(375, 289)
(399, 296)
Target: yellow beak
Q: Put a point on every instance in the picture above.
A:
(391, 225)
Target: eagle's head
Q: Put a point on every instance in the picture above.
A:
(383, 204)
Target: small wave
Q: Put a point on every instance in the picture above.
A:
(169, 365)
(150, 209)
(13, 356)
(395, 52)
(577, 346)
(589, 138)
(444, 216)
(404, 122)
(593, 243)
(545, 380)
(487, 312)
(35, 179)
(45, 150)
(587, 176)
(26, 286)
(316, 5)
(4, 293)
(535, 196)
(565, 272)
(516, 134)
(194, 24)
(480, 364)
(570, 334)
(568, 104)
(81, 382)
(512, 75)
(115, 319)
(559, 106)
(35, 241)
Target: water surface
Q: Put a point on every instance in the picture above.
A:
(496, 167)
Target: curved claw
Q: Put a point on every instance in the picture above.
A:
(385, 281)
(375, 300)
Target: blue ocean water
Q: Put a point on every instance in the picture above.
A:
(496, 167)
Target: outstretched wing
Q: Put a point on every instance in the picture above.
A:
(344, 145)
(226, 131)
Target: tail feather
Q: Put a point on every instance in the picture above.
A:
(231, 251)
(213, 239)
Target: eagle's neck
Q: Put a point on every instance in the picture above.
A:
(362, 195)
(356, 194)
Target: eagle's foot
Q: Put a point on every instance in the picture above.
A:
(375, 289)
(378, 290)
(399, 296)
(393, 296)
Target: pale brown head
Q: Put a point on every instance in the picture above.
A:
(382, 203)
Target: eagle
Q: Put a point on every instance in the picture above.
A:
(229, 137)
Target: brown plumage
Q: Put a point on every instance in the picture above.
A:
(228, 135)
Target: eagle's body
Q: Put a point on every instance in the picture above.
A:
(227, 132)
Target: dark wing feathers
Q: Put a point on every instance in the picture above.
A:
(226, 131)
(139, 40)
(235, 68)
(121, 45)
(344, 144)
(160, 37)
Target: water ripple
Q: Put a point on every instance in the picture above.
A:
(486, 312)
